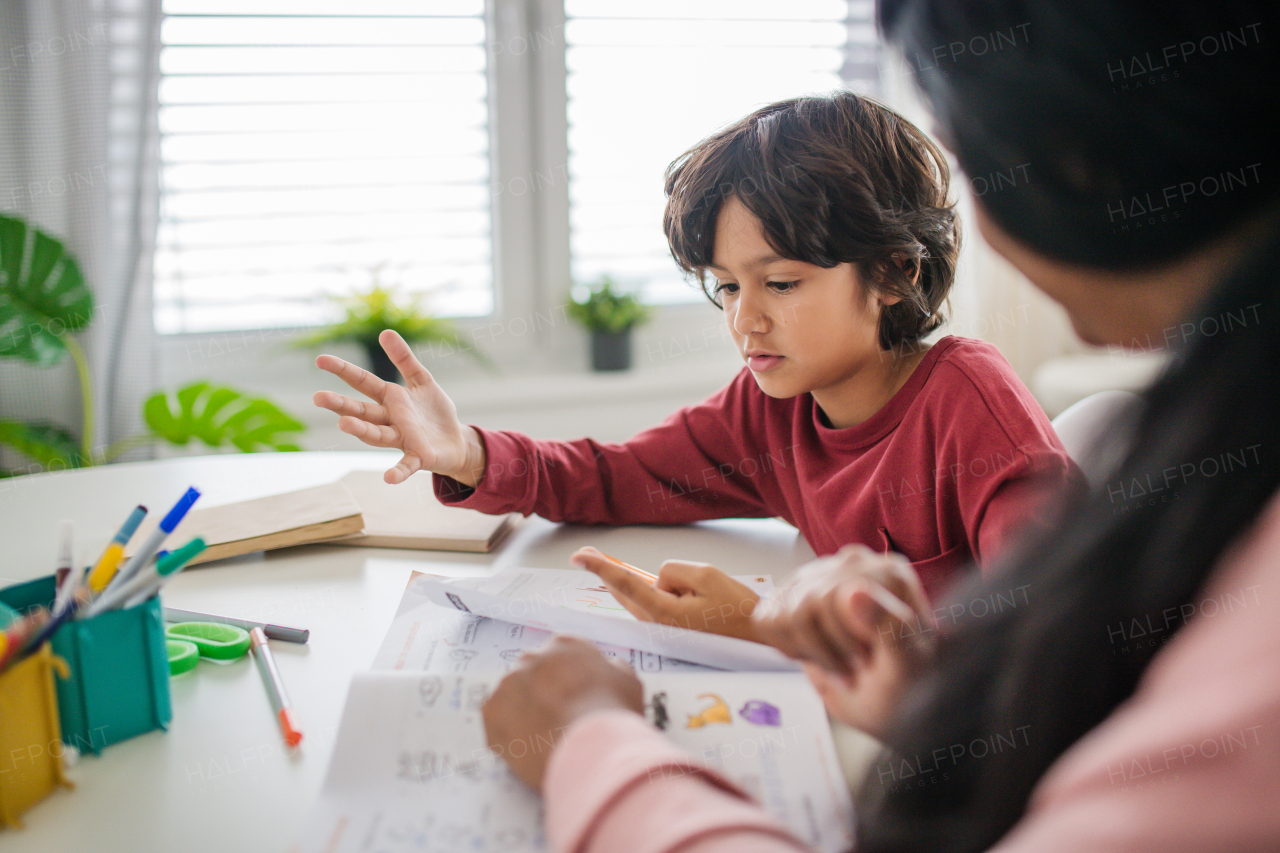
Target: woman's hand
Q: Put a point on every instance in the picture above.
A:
(861, 623)
(531, 708)
(417, 419)
(695, 596)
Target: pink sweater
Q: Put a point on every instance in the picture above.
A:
(1190, 763)
(958, 461)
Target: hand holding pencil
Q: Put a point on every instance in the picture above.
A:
(695, 596)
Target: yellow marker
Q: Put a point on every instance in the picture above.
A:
(109, 562)
(106, 568)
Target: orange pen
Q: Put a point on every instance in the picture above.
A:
(641, 572)
(275, 687)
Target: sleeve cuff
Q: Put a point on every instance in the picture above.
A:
(505, 485)
(614, 779)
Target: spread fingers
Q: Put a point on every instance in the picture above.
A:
(348, 406)
(357, 377)
(376, 435)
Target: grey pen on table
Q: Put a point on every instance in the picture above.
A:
(273, 632)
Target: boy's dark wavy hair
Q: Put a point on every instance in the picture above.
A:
(833, 179)
(1070, 93)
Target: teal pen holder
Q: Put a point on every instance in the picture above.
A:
(119, 663)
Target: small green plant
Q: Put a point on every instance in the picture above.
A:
(218, 416)
(602, 309)
(366, 313)
(43, 300)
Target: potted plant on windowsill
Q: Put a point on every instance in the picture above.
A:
(609, 316)
(366, 313)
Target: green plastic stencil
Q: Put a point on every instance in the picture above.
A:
(219, 642)
(183, 656)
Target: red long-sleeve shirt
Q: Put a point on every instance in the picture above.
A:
(945, 473)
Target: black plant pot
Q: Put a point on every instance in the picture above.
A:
(610, 350)
(380, 363)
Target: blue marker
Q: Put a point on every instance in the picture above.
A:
(144, 554)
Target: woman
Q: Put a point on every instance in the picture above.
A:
(1142, 667)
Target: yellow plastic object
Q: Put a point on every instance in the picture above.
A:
(119, 684)
(30, 737)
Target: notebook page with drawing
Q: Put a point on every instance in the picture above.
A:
(411, 770)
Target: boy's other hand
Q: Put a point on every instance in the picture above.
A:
(861, 623)
(417, 419)
(531, 708)
(695, 596)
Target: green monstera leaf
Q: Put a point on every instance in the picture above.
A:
(42, 294)
(218, 415)
(50, 445)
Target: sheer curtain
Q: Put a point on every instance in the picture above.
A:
(78, 149)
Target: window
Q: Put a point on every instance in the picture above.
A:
(648, 80)
(305, 143)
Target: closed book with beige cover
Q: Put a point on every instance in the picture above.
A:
(409, 516)
(278, 521)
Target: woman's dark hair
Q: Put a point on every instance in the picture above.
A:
(1066, 88)
(833, 179)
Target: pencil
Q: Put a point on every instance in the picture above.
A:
(641, 572)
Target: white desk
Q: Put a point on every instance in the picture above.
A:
(221, 778)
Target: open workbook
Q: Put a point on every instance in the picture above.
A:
(411, 770)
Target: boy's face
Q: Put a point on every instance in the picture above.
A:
(799, 327)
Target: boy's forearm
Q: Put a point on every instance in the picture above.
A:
(650, 479)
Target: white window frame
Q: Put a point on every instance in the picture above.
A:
(528, 331)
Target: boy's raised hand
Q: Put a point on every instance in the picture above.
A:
(417, 419)
(695, 596)
(861, 622)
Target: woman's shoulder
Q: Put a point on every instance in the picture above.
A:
(1231, 623)
(1198, 733)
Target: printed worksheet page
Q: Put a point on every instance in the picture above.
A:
(566, 601)
(411, 770)
(428, 637)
